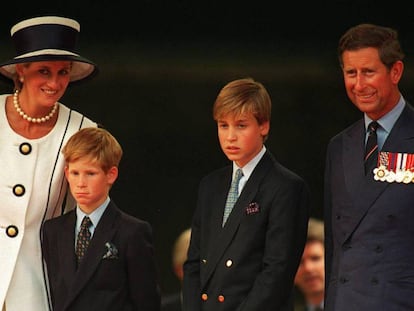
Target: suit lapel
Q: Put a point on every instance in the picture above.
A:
(104, 232)
(225, 235)
(357, 182)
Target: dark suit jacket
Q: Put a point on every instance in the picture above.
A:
(128, 282)
(369, 225)
(250, 263)
(172, 302)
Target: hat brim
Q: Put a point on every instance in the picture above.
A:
(82, 68)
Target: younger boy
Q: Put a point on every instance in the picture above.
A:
(245, 258)
(115, 268)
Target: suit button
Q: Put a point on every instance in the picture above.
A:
(12, 231)
(220, 298)
(204, 297)
(229, 263)
(378, 249)
(374, 281)
(343, 280)
(204, 261)
(18, 190)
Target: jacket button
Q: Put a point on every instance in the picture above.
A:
(229, 263)
(220, 298)
(25, 148)
(12, 231)
(18, 190)
(378, 249)
(204, 297)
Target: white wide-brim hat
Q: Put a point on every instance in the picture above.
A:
(48, 38)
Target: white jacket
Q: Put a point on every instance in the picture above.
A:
(32, 189)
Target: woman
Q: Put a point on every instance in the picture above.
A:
(33, 128)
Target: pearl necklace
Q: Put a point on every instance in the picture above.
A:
(26, 117)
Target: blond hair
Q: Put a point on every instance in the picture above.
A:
(243, 96)
(96, 143)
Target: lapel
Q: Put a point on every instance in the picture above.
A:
(364, 189)
(224, 235)
(104, 232)
(67, 247)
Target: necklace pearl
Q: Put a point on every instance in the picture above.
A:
(31, 119)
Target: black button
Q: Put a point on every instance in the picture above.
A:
(343, 280)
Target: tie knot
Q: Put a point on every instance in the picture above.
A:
(86, 223)
(373, 126)
(239, 174)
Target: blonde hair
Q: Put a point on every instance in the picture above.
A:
(243, 96)
(96, 143)
(315, 230)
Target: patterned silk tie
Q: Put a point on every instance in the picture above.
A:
(233, 195)
(84, 237)
(371, 148)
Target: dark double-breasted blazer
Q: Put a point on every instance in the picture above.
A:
(250, 263)
(125, 281)
(369, 225)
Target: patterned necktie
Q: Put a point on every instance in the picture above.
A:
(371, 148)
(233, 195)
(84, 237)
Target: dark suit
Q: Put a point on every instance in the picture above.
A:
(250, 263)
(128, 282)
(369, 225)
(172, 302)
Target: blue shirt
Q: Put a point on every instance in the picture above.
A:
(386, 123)
(95, 216)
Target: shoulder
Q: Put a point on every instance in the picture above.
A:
(353, 130)
(3, 98)
(59, 220)
(129, 223)
(270, 161)
(217, 174)
(75, 117)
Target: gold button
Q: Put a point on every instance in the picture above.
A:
(204, 297)
(25, 148)
(12, 231)
(204, 261)
(229, 263)
(19, 190)
(220, 298)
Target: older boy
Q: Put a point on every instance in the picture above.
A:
(107, 264)
(245, 257)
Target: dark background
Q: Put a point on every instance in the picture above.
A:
(162, 63)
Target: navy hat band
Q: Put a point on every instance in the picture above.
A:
(59, 37)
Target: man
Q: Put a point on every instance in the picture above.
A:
(310, 277)
(369, 212)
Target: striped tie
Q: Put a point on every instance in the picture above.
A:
(371, 148)
(233, 195)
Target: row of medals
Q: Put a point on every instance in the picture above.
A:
(401, 171)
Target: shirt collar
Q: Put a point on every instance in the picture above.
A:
(388, 120)
(95, 216)
(249, 167)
